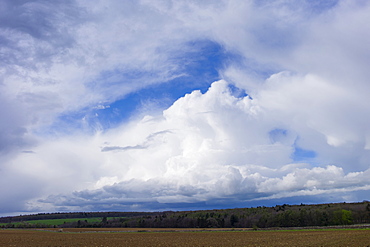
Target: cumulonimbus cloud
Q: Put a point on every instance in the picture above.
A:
(206, 147)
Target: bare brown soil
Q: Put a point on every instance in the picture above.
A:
(111, 237)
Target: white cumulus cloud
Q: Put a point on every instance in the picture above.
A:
(204, 147)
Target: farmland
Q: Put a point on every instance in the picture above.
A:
(185, 237)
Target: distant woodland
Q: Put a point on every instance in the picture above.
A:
(259, 217)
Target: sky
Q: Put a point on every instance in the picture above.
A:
(182, 105)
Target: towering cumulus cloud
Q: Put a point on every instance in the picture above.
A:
(156, 105)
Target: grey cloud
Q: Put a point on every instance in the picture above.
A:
(13, 131)
(231, 189)
(117, 148)
(32, 31)
(127, 194)
(16, 190)
(147, 142)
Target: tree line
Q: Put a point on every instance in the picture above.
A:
(71, 215)
(260, 217)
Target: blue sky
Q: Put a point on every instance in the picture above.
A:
(176, 105)
(199, 68)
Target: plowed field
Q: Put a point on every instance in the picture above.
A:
(96, 237)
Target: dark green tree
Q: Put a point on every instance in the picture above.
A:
(234, 219)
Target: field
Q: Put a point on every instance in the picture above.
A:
(174, 237)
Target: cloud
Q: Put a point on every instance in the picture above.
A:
(116, 148)
(306, 101)
(69, 56)
(148, 141)
(204, 148)
(302, 65)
